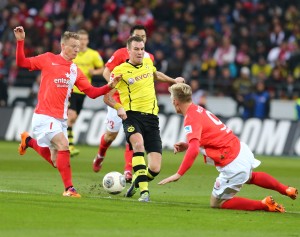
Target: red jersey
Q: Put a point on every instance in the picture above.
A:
(217, 142)
(58, 77)
(120, 56)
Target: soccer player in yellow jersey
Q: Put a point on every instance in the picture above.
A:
(90, 63)
(138, 110)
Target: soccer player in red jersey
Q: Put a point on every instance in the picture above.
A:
(114, 122)
(49, 122)
(233, 159)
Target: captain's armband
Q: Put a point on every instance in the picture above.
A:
(117, 106)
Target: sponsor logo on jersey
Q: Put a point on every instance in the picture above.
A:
(61, 82)
(188, 129)
(143, 76)
(130, 81)
(130, 129)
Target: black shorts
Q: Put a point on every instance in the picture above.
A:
(148, 126)
(76, 102)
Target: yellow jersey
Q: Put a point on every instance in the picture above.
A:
(136, 89)
(89, 59)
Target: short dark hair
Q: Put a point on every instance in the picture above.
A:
(133, 38)
(137, 27)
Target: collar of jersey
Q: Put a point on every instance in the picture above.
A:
(136, 66)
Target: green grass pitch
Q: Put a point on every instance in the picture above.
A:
(31, 201)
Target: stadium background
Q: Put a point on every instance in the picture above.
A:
(184, 36)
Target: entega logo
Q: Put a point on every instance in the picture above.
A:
(130, 128)
(61, 82)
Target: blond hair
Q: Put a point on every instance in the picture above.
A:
(68, 35)
(181, 92)
(82, 32)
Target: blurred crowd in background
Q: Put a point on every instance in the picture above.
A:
(245, 49)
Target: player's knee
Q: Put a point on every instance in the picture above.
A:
(215, 203)
(110, 137)
(138, 146)
(62, 146)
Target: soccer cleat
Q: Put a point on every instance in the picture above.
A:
(23, 145)
(73, 151)
(128, 176)
(145, 197)
(132, 189)
(292, 192)
(97, 163)
(272, 205)
(71, 192)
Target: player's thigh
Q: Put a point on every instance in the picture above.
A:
(45, 127)
(110, 136)
(131, 127)
(60, 142)
(152, 139)
(113, 121)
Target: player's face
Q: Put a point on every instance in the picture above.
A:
(140, 33)
(70, 48)
(136, 52)
(84, 41)
(175, 104)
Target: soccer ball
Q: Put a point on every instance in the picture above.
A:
(114, 182)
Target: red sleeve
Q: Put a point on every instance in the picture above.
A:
(152, 57)
(117, 58)
(190, 156)
(20, 55)
(94, 92)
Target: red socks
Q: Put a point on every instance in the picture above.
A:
(265, 180)
(128, 158)
(239, 203)
(43, 151)
(103, 146)
(64, 167)
(62, 161)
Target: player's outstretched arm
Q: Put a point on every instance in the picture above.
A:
(21, 60)
(94, 92)
(170, 179)
(164, 78)
(110, 101)
(180, 146)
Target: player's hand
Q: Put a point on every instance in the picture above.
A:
(114, 81)
(122, 113)
(91, 72)
(19, 33)
(172, 178)
(180, 146)
(180, 80)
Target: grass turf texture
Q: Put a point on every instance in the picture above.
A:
(31, 201)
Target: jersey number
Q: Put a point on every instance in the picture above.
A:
(216, 121)
(111, 124)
